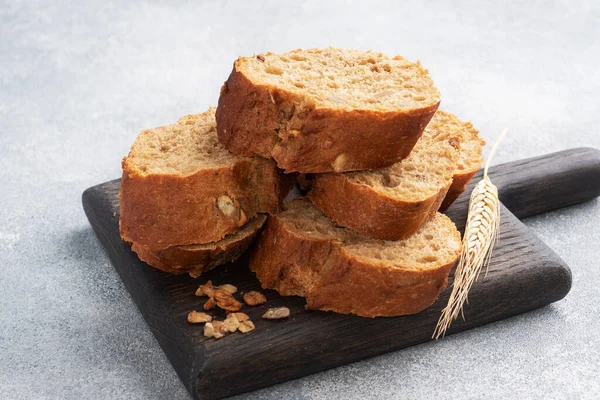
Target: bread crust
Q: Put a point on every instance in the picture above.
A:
(165, 210)
(383, 215)
(332, 279)
(459, 185)
(196, 259)
(364, 210)
(262, 119)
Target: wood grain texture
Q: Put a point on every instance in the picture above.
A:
(524, 274)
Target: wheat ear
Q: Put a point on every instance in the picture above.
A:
(481, 233)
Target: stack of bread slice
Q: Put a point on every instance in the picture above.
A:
(187, 204)
(365, 134)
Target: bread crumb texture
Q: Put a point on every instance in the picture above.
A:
(436, 242)
(345, 79)
(183, 148)
(447, 144)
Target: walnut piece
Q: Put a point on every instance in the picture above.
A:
(236, 321)
(209, 329)
(277, 313)
(231, 323)
(246, 326)
(215, 329)
(226, 301)
(254, 298)
(220, 329)
(210, 304)
(205, 290)
(197, 317)
(229, 288)
(340, 162)
(221, 296)
(260, 58)
(241, 316)
(226, 205)
(231, 209)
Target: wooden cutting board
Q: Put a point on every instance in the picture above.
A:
(524, 274)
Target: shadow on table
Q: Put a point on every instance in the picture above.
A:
(110, 336)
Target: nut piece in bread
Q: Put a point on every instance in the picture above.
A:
(325, 110)
(303, 253)
(181, 187)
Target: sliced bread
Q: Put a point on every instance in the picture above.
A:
(180, 186)
(303, 253)
(469, 162)
(198, 258)
(324, 110)
(392, 203)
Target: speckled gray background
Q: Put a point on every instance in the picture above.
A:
(79, 79)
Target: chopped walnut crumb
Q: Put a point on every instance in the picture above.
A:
(260, 58)
(220, 329)
(226, 301)
(206, 290)
(227, 206)
(197, 317)
(229, 288)
(210, 304)
(209, 329)
(241, 316)
(254, 298)
(246, 326)
(277, 313)
(231, 323)
(222, 296)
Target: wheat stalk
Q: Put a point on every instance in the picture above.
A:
(481, 233)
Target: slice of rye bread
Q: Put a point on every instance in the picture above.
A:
(469, 162)
(392, 203)
(198, 258)
(303, 253)
(180, 186)
(324, 110)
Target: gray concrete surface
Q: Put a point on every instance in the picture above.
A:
(79, 79)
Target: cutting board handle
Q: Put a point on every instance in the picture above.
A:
(541, 184)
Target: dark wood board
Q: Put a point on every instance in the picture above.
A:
(524, 275)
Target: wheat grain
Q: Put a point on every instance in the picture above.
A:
(481, 233)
